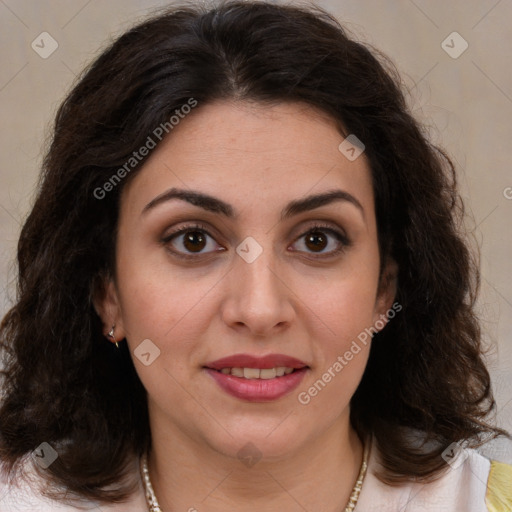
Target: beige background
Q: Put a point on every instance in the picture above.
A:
(466, 102)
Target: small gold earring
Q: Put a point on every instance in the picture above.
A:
(111, 335)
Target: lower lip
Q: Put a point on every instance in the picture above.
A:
(258, 390)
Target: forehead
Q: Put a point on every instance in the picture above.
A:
(251, 152)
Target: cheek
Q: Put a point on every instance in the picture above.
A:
(157, 300)
(345, 311)
(163, 308)
(345, 351)
(345, 305)
(345, 302)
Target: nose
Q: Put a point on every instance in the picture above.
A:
(259, 298)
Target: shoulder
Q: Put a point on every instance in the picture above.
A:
(25, 493)
(472, 483)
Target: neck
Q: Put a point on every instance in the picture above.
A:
(188, 476)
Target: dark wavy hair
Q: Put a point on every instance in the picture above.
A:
(63, 383)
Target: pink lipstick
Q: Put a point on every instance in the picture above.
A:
(257, 379)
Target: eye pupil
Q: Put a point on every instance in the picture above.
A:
(192, 237)
(314, 237)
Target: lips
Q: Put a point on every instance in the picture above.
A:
(257, 379)
(249, 361)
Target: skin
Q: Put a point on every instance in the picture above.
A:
(289, 300)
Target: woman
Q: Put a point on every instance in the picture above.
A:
(242, 287)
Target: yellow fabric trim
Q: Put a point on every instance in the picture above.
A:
(498, 497)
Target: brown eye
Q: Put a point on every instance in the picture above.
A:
(316, 240)
(319, 238)
(194, 241)
(190, 242)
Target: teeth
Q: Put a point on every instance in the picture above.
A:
(280, 371)
(252, 373)
(256, 373)
(269, 373)
(237, 372)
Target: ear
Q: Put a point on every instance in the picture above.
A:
(386, 292)
(107, 306)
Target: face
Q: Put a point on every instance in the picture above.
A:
(255, 269)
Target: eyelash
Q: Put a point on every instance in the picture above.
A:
(340, 236)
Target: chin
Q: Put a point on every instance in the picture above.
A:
(263, 442)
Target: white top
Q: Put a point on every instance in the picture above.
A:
(462, 488)
(26, 497)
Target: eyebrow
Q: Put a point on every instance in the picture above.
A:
(215, 205)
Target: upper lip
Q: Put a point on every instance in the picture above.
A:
(262, 362)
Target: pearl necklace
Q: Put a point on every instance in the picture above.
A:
(153, 505)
